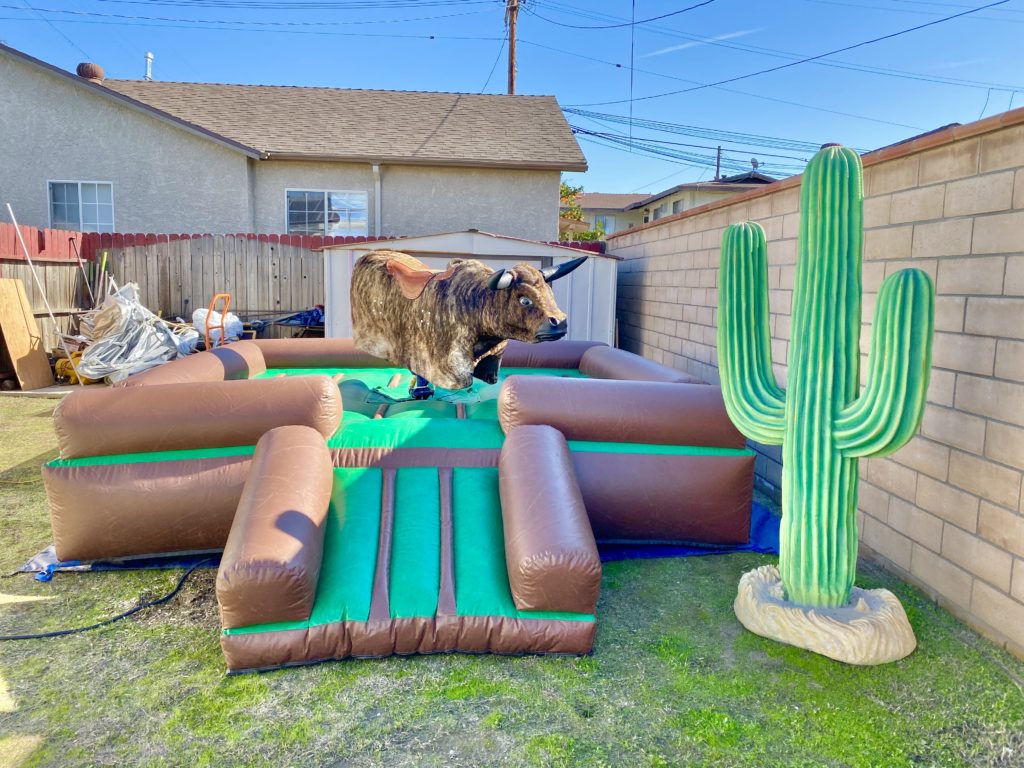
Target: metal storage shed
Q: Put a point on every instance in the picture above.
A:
(587, 295)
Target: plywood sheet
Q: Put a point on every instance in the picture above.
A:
(21, 336)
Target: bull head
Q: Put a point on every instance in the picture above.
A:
(529, 311)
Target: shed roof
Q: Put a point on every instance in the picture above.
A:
(287, 122)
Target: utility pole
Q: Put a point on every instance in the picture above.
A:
(718, 165)
(511, 13)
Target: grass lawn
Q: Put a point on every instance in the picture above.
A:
(674, 679)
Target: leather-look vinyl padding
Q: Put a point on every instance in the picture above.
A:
(97, 421)
(550, 552)
(619, 411)
(271, 561)
(666, 498)
(316, 353)
(612, 363)
(133, 510)
(547, 354)
(366, 639)
(242, 360)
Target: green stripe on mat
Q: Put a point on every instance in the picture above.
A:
(418, 433)
(583, 446)
(142, 458)
(416, 543)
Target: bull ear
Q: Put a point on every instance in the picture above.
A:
(501, 280)
(553, 273)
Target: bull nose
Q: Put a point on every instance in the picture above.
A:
(557, 324)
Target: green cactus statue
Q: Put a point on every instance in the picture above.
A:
(823, 421)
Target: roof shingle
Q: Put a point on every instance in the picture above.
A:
(362, 125)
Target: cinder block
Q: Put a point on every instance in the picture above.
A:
(874, 501)
(957, 352)
(781, 252)
(1002, 528)
(1013, 285)
(915, 523)
(891, 545)
(999, 233)
(999, 611)
(977, 556)
(951, 161)
(892, 477)
(941, 575)
(960, 430)
(876, 211)
(979, 194)
(995, 317)
(892, 176)
(951, 237)
(1005, 444)
(951, 504)
(925, 456)
(949, 313)
(921, 204)
(1001, 400)
(1002, 149)
(1018, 189)
(784, 202)
(985, 479)
(1017, 586)
(971, 275)
(941, 387)
(888, 243)
(1010, 359)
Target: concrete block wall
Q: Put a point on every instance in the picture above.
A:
(946, 512)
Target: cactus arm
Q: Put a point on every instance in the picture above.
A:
(754, 401)
(888, 412)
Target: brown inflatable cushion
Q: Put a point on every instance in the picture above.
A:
(271, 561)
(167, 417)
(242, 360)
(547, 354)
(611, 363)
(550, 552)
(316, 353)
(619, 411)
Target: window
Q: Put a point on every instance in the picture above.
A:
(321, 212)
(84, 206)
(677, 206)
(605, 222)
(661, 210)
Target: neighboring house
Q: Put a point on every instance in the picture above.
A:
(150, 156)
(615, 212)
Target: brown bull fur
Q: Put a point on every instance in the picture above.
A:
(457, 325)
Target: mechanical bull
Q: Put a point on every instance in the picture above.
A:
(447, 327)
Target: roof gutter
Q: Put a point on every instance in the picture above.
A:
(398, 160)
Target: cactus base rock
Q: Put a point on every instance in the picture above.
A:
(871, 629)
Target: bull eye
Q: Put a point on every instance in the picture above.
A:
(526, 301)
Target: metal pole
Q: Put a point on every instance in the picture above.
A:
(511, 14)
(718, 165)
(42, 292)
(85, 276)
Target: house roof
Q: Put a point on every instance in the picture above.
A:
(607, 200)
(729, 185)
(287, 122)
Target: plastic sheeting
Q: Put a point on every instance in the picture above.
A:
(232, 325)
(128, 338)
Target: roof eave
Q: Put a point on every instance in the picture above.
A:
(400, 160)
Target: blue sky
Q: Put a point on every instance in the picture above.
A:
(953, 71)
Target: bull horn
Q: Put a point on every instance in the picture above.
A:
(501, 280)
(553, 273)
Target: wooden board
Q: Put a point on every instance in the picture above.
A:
(21, 336)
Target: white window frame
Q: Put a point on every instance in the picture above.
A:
(80, 182)
(327, 192)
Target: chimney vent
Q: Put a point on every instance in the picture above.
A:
(90, 71)
(149, 65)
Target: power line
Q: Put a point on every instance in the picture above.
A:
(494, 66)
(802, 160)
(836, 64)
(53, 26)
(801, 61)
(306, 5)
(631, 23)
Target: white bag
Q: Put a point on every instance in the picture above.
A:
(232, 325)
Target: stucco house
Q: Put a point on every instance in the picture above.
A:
(616, 212)
(84, 152)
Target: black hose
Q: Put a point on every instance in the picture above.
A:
(141, 606)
